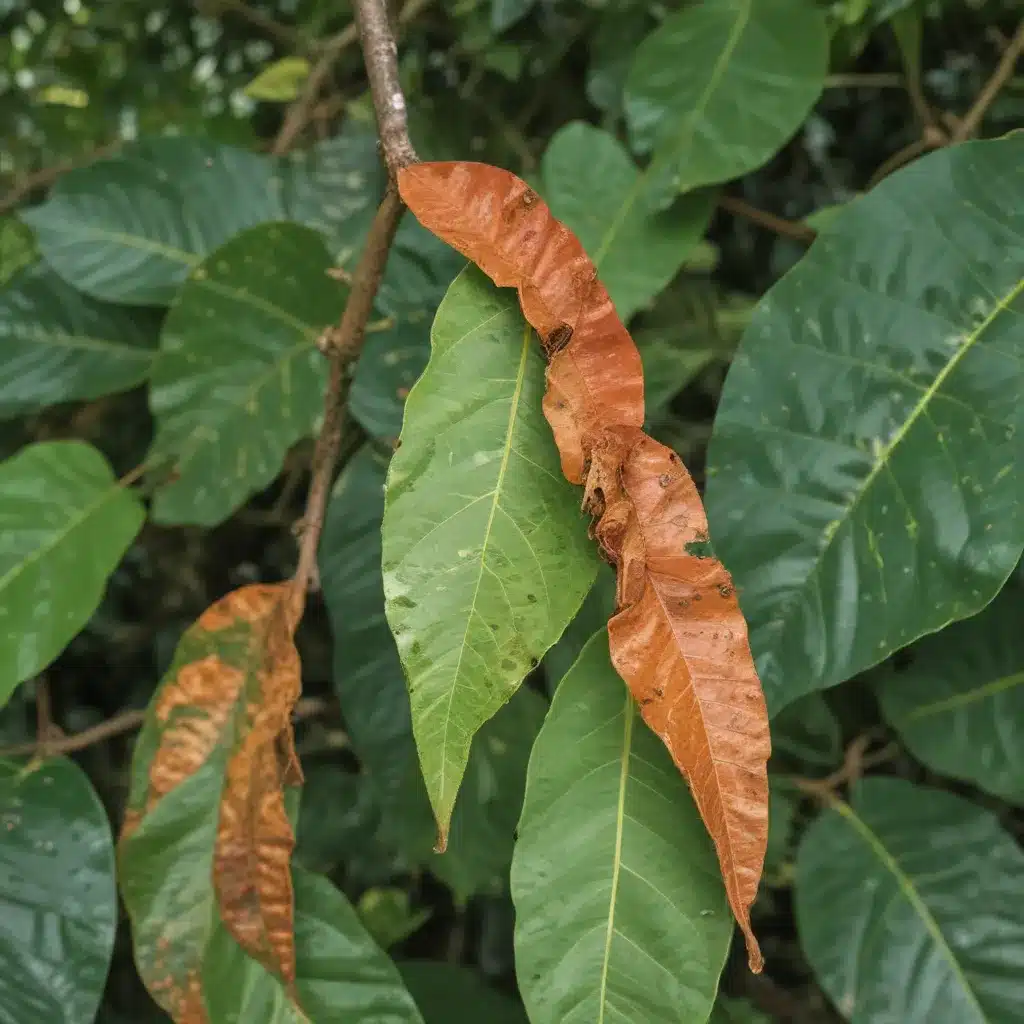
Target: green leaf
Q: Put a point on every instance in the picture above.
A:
(17, 248)
(130, 228)
(781, 812)
(450, 994)
(485, 556)
(57, 895)
(240, 379)
(66, 522)
(342, 976)
(737, 1011)
(505, 13)
(808, 733)
(636, 251)
(669, 365)
(388, 916)
(959, 705)
(279, 82)
(57, 345)
(871, 424)
(909, 908)
(720, 87)
(620, 909)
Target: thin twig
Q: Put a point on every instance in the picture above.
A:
(48, 175)
(1004, 69)
(876, 80)
(47, 731)
(128, 721)
(284, 34)
(781, 226)
(344, 342)
(902, 157)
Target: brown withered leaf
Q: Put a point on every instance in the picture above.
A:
(678, 637)
(223, 710)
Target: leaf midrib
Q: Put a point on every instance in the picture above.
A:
(907, 888)
(62, 339)
(960, 700)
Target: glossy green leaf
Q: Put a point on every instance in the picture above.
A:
(620, 910)
(450, 994)
(342, 975)
(280, 82)
(636, 251)
(65, 522)
(959, 704)
(58, 901)
(909, 908)
(871, 425)
(371, 689)
(57, 345)
(486, 558)
(721, 86)
(240, 379)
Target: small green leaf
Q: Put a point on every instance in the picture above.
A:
(279, 82)
(58, 901)
(342, 977)
(240, 379)
(871, 424)
(387, 914)
(450, 994)
(959, 704)
(721, 86)
(17, 248)
(636, 251)
(620, 909)
(58, 345)
(909, 908)
(66, 522)
(806, 732)
(485, 556)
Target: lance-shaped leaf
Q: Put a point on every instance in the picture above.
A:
(636, 250)
(239, 378)
(485, 560)
(719, 87)
(57, 345)
(870, 429)
(65, 522)
(678, 637)
(58, 902)
(620, 914)
(206, 835)
(959, 704)
(909, 907)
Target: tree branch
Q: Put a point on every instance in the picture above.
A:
(781, 226)
(1004, 69)
(344, 342)
(48, 175)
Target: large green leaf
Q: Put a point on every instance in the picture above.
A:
(58, 902)
(371, 688)
(721, 86)
(342, 975)
(130, 228)
(65, 522)
(485, 556)
(449, 994)
(239, 378)
(862, 483)
(637, 251)
(57, 344)
(959, 705)
(620, 910)
(910, 908)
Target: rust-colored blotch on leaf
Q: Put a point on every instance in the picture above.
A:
(678, 638)
(233, 683)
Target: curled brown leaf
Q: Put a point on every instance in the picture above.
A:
(678, 637)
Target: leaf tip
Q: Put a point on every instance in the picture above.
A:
(755, 960)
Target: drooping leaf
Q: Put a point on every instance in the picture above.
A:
(909, 907)
(239, 378)
(636, 251)
(959, 705)
(620, 914)
(447, 993)
(207, 840)
(719, 87)
(65, 522)
(678, 637)
(871, 424)
(342, 977)
(281, 81)
(484, 558)
(58, 902)
(57, 345)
